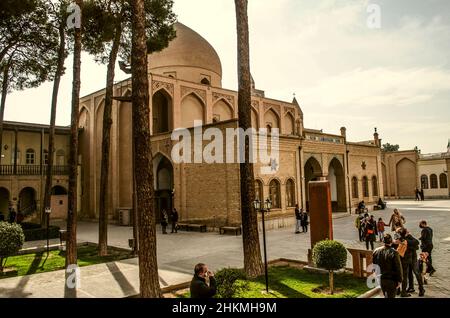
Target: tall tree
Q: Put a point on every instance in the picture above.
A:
(252, 253)
(143, 165)
(58, 20)
(71, 254)
(28, 55)
(108, 34)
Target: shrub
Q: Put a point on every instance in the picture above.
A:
(227, 286)
(40, 233)
(11, 240)
(330, 255)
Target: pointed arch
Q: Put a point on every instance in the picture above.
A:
(255, 118)
(406, 177)
(289, 124)
(222, 111)
(192, 109)
(162, 111)
(271, 119)
(336, 177)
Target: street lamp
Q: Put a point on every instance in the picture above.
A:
(267, 205)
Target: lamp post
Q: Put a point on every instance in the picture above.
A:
(267, 205)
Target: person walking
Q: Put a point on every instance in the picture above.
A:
(413, 269)
(397, 220)
(422, 194)
(203, 284)
(390, 266)
(164, 221)
(417, 191)
(297, 219)
(370, 232)
(174, 218)
(304, 221)
(358, 226)
(380, 228)
(426, 239)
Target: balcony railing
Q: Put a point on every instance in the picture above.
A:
(32, 170)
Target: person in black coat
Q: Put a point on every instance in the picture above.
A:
(174, 218)
(199, 286)
(304, 221)
(388, 259)
(297, 219)
(370, 232)
(413, 268)
(426, 239)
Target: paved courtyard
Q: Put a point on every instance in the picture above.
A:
(178, 253)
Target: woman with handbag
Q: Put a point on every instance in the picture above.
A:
(370, 232)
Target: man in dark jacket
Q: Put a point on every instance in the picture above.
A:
(199, 287)
(426, 238)
(174, 219)
(409, 264)
(388, 260)
(304, 221)
(297, 219)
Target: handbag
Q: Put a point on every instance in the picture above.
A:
(402, 247)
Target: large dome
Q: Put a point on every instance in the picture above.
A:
(188, 57)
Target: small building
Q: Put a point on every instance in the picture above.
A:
(24, 156)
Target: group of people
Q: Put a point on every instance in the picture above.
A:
(173, 220)
(420, 195)
(398, 260)
(301, 217)
(12, 217)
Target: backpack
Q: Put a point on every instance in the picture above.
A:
(402, 247)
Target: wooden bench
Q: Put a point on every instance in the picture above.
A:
(192, 227)
(236, 229)
(358, 261)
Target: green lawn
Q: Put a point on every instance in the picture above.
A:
(290, 282)
(40, 263)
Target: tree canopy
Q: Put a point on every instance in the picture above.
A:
(390, 148)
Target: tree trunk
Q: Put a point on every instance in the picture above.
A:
(71, 254)
(252, 252)
(106, 145)
(143, 165)
(2, 104)
(331, 282)
(51, 136)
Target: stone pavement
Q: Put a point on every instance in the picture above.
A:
(178, 254)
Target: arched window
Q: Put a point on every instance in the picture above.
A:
(434, 181)
(375, 186)
(290, 193)
(355, 190)
(443, 181)
(30, 157)
(205, 81)
(259, 192)
(365, 187)
(275, 194)
(424, 181)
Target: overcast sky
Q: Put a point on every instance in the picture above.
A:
(395, 78)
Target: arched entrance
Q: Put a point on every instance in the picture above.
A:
(27, 201)
(59, 202)
(337, 185)
(161, 112)
(406, 178)
(313, 171)
(4, 202)
(163, 185)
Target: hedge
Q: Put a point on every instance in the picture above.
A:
(39, 233)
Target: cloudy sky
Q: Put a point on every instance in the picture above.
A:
(344, 73)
